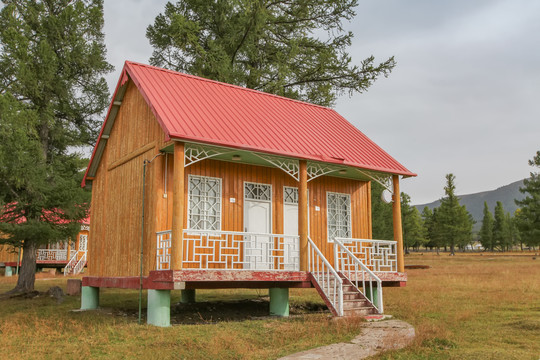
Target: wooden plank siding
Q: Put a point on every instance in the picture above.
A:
(8, 254)
(114, 242)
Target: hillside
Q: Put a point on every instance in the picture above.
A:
(475, 202)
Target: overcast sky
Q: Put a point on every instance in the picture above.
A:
(463, 98)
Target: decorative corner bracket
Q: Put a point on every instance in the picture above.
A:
(194, 153)
(314, 169)
(384, 179)
(290, 166)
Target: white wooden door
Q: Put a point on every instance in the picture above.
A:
(258, 247)
(290, 227)
(290, 219)
(258, 220)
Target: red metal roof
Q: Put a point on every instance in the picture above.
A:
(195, 109)
(8, 215)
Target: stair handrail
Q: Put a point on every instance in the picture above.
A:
(71, 263)
(339, 249)
(322, 271)
(80, 264)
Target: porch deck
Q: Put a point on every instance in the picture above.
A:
(223, 279)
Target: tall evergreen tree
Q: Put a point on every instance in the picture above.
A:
(265, 45)
(453, 223)
(427, 217)
(501, 230)
(529, 215)
(486, 231)
(516, 235)
(52, 91)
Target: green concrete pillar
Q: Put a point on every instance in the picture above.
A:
(188, 296)
(374, 298)
(89, 298)
(8, 271)
(159, 308)
(279, 301)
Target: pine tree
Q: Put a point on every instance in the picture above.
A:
(427, 218)
(501, 229)
(486, 231)
(265, 45)
(516, 235)
(52, 93)
(453, 223)
(529, 216)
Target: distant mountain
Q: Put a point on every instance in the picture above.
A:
(475, 202)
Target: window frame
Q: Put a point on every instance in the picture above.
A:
(219, 197)
(349, 215)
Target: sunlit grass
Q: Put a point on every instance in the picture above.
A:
(470, 307)
(42, 328)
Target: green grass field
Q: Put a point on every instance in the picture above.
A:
(463, 307)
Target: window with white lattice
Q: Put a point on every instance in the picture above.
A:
(290, 195)
(204, 198)
(254, 191)
(339, 215)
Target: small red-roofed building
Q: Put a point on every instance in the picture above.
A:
(68, 255)
(241, 189)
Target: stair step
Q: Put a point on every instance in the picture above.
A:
(355, 306)
(359, 312)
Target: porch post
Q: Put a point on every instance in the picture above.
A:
(303, 216)
(89, 298)
(279, 301)
(178, 207)
(159, 308)
(398, 232)
(68, 249)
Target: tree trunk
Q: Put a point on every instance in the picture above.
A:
(27, 274)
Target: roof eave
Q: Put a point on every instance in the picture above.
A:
(404, 173)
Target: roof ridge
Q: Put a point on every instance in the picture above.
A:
(200, 78)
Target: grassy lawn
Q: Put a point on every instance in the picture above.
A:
(470, 307)
(463, 307)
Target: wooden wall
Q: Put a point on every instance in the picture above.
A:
(115, 236)
(8, 254)
(114, 243)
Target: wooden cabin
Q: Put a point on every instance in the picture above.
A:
(68, 255)
(229, 187)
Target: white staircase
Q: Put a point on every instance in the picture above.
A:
(76, 264)
(346, 291)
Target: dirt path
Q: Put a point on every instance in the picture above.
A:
(376, 337)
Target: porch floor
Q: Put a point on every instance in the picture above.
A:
(223, 279)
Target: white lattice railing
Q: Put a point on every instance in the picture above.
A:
(326, 276)
(231, 250)
(163, 253)
(377, 255)
(358, 274)
(51, 255)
